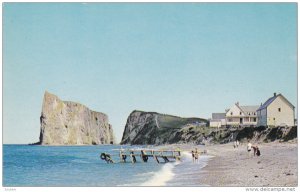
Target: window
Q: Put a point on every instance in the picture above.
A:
(254, 114)
(279, 109)
(254, 119)
(229, 120)
(230, 113)
(274, 118)
(240, 113)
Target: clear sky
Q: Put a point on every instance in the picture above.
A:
(181, 59)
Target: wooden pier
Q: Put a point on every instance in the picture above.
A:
(132, 155)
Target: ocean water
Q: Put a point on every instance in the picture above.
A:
(81, 166)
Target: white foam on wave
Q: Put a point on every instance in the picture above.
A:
(161, 177)
(187, 156)
(166, 174)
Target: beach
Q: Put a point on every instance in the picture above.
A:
(232, 167)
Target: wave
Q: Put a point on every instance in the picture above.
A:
(166, 173)
(161, 177)
(187, 156)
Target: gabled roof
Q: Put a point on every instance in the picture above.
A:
(238, 106)
(270, 100)
(251, 108)
(245, 110)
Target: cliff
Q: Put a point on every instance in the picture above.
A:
(143, 128)
(210, 135)
(154, 128)
(70, 123)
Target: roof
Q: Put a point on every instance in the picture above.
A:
(270, 100)
(247, 109)
(251, 108)
(218, 115)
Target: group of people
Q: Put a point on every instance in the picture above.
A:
(255, 149)
(195, 155)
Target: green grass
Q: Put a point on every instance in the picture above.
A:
(166, 121)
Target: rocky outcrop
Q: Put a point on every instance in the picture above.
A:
(210, 135)
(154, 128)
(70, 123)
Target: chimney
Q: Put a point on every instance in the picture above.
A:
(260, 104)
(237, 103)
(275, 94)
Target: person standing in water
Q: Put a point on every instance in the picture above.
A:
(193, 156)
(196, 155)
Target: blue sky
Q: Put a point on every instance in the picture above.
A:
(185, 59)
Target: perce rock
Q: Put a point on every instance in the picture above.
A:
(70, 123)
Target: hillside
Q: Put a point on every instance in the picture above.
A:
(155, 128)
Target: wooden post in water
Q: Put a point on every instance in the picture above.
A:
(121, 156)
(133, 159)
(166, 155)
(166, 159)
(155, 157)
(143, 156)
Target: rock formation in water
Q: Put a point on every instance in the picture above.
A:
(154, 128)
(70, 123)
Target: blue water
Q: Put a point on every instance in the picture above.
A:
(73, 166)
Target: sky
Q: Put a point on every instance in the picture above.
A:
(183, 59)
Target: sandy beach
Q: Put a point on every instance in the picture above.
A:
(277, 166)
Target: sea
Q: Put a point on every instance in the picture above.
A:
(81, 166)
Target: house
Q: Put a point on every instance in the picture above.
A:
(276, 111)
(217, 120)
(241, 115)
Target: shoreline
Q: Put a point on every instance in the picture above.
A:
(232, 167)
(226, 166)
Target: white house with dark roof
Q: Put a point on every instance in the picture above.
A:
(276, 111)
(241, 115)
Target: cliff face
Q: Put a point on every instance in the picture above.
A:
(69, 123)
(154, 128)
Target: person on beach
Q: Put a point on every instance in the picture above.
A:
(249, 146)
(237, 143)
(234, 144)
(196, 155)
(256, 151)
(193, 156)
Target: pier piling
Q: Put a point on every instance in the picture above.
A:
(144, 154)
